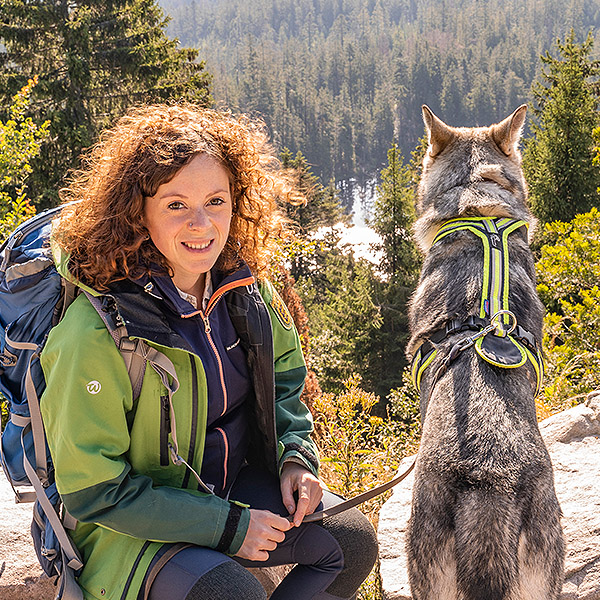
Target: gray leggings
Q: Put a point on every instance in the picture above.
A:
(332, 557)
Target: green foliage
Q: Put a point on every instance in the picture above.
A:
(4, 412)
(94, 59)
(358, 449)
(568, 279)
(404, 407)
(20, 141)
(558, 159)
(343, 322)
(322, 210)
(392, 219)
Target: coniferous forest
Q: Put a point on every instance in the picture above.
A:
(341, 80)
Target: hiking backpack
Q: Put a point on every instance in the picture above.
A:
(33, 299)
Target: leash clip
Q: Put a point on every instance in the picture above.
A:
(468, 341)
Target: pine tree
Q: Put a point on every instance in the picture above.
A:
(558, 159)
(322, 209)
(345, 323)
(94, 59)
(393, 216)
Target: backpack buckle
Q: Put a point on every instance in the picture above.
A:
(7, 359)
(127, 345)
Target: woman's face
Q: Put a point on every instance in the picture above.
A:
(188, 220)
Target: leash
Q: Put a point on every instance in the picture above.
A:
(359, 499)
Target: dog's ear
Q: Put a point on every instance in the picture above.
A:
(507, 133)
(439, 134)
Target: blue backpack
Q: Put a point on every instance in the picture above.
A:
(33, 299)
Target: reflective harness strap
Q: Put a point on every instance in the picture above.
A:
(493, 233)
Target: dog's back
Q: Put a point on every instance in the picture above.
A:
(485, 521)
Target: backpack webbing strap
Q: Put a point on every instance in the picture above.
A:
(35, 420)
(68, 588)
(72, 557)
(159, 564)
(134, 352)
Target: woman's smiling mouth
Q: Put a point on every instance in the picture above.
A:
(197, 246)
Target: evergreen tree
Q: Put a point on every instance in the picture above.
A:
(343, 80)
(393, 216)
(322, 209)
(345, 323)
(94, 59)
(558, 159)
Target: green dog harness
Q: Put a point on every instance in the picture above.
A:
(499, 340)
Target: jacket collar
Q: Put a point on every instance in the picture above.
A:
(163, 288)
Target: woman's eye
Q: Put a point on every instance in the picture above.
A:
(176, 205)
(216, 201)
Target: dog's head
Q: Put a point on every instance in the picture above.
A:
(470, 172)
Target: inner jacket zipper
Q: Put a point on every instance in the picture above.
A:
(207, 328)
(205, 317)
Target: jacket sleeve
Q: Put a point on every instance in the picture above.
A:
(85, 409)
(293, 419)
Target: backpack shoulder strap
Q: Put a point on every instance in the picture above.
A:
(134, 352)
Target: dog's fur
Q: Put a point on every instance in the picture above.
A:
(485, 522)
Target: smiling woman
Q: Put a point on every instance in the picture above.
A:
(188, 219)
(212, 468)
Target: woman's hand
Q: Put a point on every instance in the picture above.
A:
(296, 478)
(265, 531)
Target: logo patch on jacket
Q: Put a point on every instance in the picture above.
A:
(94, 387)
(280, 309)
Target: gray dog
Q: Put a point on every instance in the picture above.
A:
(485, 522)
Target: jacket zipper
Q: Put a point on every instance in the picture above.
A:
(165, 430)
(194, 427)
(207, 329)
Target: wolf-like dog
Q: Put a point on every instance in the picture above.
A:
(485, 519)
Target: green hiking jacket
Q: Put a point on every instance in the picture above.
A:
(106, 450)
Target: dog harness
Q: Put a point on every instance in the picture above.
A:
(499, 340)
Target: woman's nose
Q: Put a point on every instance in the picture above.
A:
(198, 220)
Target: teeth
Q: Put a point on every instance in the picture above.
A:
(197, 246)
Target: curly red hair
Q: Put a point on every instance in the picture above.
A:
(104, 231)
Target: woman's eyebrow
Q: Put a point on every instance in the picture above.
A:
(180, 195)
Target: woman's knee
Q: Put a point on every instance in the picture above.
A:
(358, 542)
(228, 581)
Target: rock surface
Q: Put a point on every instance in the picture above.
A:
(573, 440)
(21, 575)
(22, 578)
